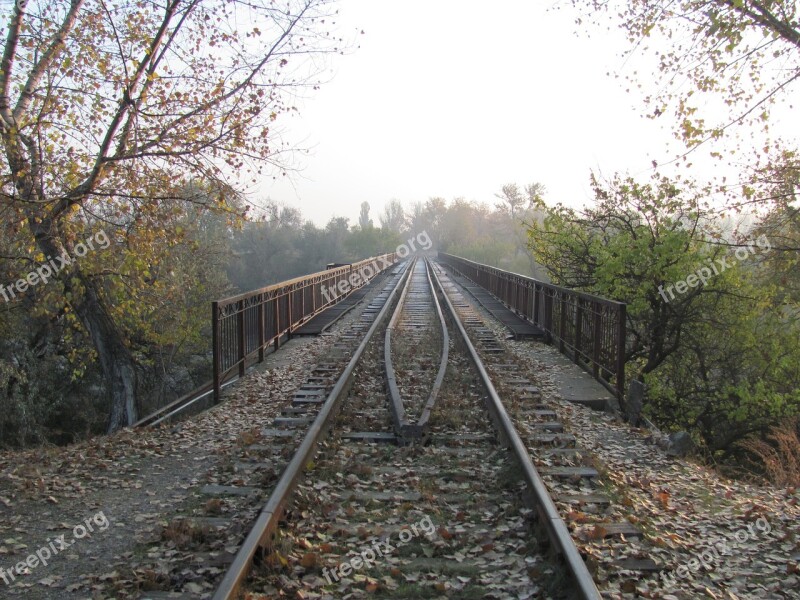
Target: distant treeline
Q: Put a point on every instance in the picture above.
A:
(281, 244)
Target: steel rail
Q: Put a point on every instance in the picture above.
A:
(404, 428)
(548, 513)
(267, 522)
(396, 403)
(175, 406)
(437, 384)
(189, 401)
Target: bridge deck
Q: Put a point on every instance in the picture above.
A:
(519, 327)
(329, 316)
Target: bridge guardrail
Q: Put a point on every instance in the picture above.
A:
(589, 329)
(245, 325)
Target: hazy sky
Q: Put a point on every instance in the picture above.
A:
(451, 99)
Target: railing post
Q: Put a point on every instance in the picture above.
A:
(277, 314)
(261, 323)
(216, 351)
(290, 322)
(578, 328)
(622, 332)
(302, 313)
(525, 292)
(562, 323)
(598, 331)
(548, 314)
(242, 350)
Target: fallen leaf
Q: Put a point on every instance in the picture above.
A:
(309, 560)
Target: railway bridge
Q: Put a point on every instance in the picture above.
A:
(407, 426)
(420, 396)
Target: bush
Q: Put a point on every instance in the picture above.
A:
(778, 453)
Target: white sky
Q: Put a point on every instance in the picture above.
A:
(450, 99)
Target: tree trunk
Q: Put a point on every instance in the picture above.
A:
(115, 359)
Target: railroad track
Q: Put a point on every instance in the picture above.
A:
(422, 342)
(614, 547)
(357, 512)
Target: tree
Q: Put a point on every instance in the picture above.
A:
(266, 250)
(636, 241)
(107, 110)
(511, 196)
(372, 241)
(715, 344)
(737, 57)
(514, 201)
(364, 222)
(521, 209)
(336, 233)
(429, 218)
(394, 218)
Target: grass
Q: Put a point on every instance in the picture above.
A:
(249, 437)
(510, 475)
(187, 535)
(214, 506)
(778, 453)
(150, 581)
(428, 486)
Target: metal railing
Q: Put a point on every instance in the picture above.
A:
(244, 326)
(589, 329)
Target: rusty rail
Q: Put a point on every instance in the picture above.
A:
(263, 532)
(244, 326)
(589, 329)
(549, 517)
(404, 427)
